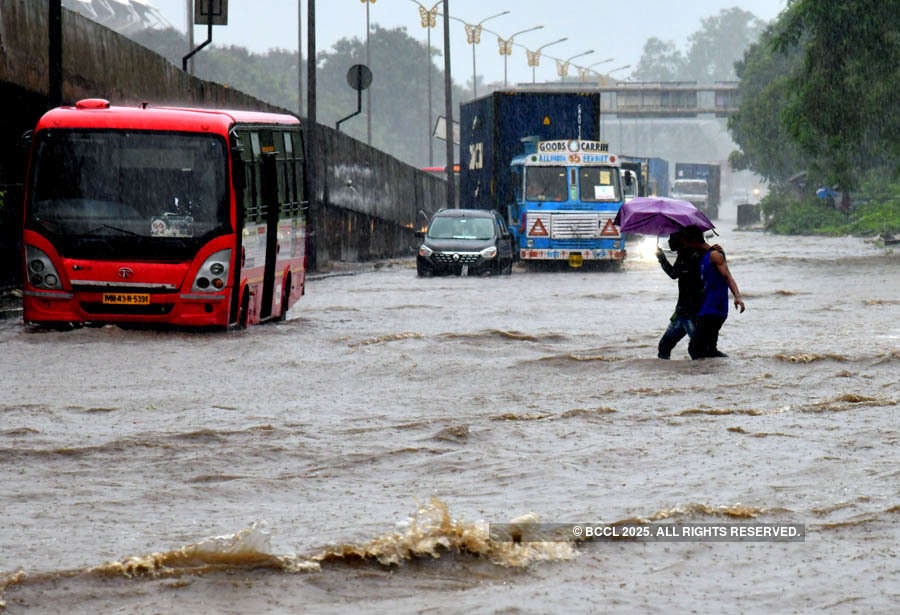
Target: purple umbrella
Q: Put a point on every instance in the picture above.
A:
(658, 215)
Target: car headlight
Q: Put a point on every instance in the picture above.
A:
(425, 251)
(489, 253)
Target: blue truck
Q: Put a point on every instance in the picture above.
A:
(652, 173)
(536, 158)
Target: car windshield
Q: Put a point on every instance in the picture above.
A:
(132, 193)
(455, 227)
(598, 183)
(546, 184)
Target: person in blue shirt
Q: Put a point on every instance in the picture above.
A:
(717, 280)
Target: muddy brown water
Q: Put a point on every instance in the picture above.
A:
(352, 457)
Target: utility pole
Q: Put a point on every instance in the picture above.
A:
(312, 216)
(448, 109)
(55, 53)
(300, 58)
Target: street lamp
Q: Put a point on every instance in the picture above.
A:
(608, 73)
(534, 57)
(369, 65)
(562, 66)
(584, 70)
(473, 37)
(429, 20)
(506, 46)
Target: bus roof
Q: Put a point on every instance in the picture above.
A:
(98, 113)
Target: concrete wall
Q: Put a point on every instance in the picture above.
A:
(370, 203)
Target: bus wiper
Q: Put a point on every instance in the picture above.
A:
(115, 228)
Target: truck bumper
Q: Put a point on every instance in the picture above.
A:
(527, 254)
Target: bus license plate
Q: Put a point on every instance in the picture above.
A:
(126, 299)
(575, 260)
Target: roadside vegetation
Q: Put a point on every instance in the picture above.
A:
(820, 107)
(873, 211)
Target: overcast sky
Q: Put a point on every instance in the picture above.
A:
(615, 30)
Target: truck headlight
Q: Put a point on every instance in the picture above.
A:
(489, 253)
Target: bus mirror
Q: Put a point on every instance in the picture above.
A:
(26, 139)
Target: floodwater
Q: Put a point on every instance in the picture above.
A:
(352, 457)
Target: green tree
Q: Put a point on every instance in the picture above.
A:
(660, 61)
(719, 43)
(845, 106)
(766, 146)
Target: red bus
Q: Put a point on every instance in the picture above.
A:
(150, 215)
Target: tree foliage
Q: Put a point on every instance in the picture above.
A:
(660, 61)
(719, 43)
(766, 146)
(844, 109)
(712, 50)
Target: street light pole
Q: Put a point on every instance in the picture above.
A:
(369, 90)
(473, 37)
(506, 47)
(534, 57)
(562, 67)
(448, 109)
(429, 20)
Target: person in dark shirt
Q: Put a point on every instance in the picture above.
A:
(717, 280)
(686, 270)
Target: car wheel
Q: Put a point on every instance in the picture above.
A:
(424, 271)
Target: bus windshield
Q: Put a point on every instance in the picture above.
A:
(599, 183)
(128, 194)
(546, 184)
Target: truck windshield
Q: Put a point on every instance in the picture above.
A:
(546, 184)
(599, 183)
(128, 194)
(689, 186)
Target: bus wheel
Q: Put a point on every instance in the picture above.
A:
(244, 311)
(285, 296)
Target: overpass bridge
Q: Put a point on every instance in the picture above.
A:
(660, 100)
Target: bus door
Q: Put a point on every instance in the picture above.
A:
(272, 208)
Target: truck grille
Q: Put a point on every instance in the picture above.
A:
(574, 226)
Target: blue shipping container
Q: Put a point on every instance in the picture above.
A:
(491, 130)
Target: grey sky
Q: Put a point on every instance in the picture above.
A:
(613, 30)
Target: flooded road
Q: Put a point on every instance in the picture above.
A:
(351, 457)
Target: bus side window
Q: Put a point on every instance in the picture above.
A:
(290, 192)
(253, 176)
(299, 157)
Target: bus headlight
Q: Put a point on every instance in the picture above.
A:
(213, 274)
(489, 253)
(41, 272)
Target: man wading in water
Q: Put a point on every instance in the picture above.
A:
(717, 279)
(690, 293)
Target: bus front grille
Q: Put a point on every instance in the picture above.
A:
(154, 309)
